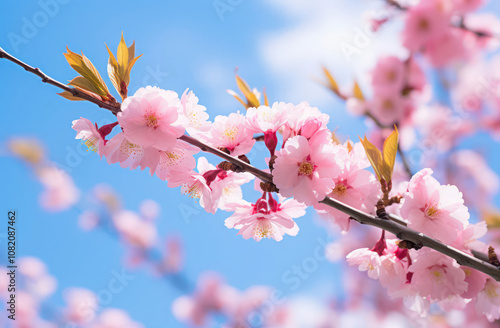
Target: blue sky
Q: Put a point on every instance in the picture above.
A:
(186, 44)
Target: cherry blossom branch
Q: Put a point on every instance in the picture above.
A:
(398, 228)
(46, 79)
(396, 225)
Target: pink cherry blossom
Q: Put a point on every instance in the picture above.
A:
(89, 134)
(305, 169)
(447, 48)
(266, 119)
(394, 263)
(488, 300)
(150, 118)
(435, 275)
(435, 210)
(416, 77)
(366, 260)
(388, 106)
(468, 239)
(173, 260)
(231, 132)
(178, 158)
(134, 230)
(240, 306)
(389, 73)
(207, 298)
(212, 186)
(440, 127)
(303, 120)
(38, 281)
(354, 186)
(115, 318)
(120, 150)
(197, 118)
(81, 305)
(266, 218)
(474, 177)
(464, 6)
(60, 192)
(357, 106)
(424, 22)
(475, 282)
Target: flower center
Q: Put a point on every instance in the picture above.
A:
(391, 76)
(92, 143)
(437, 274)
(306, 168)
(423, 24)
(194, 190)
(231, 132)
(387, 105)
(151, 121)
(491, 291)
(131, 150)
(339, 190)
(432, 211)
(263, 228)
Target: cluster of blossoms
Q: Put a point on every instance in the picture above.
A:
(309, 165)
(426, 276)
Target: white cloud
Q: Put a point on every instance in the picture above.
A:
(314, 35)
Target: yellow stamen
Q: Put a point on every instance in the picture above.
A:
(92, 143)
(151, 121)
(263, 229)
(432, 211)
(339, 190)
(231, 132)
(194, 190)
(305, 168)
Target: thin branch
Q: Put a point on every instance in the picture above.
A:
(46, 79)
(460, 25)
(398, 228)
(264, 176)
(406, 165)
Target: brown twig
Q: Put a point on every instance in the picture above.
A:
(46, 79)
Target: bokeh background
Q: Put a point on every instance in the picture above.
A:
(277, 44)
